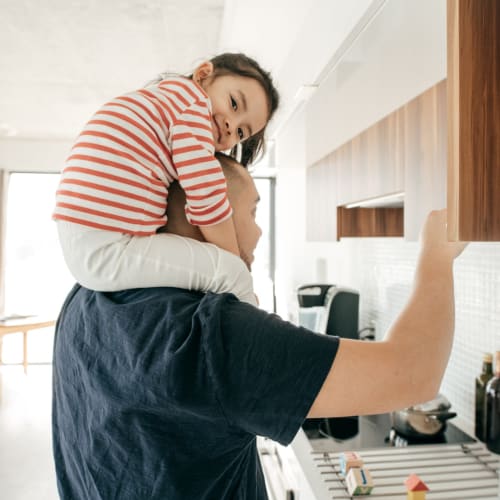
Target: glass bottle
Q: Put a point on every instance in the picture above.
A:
(493, 409)
(481, 380)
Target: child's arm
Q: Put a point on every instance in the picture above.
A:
(200, 176)
(223, 235)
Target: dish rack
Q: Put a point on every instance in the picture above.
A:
(451, 471)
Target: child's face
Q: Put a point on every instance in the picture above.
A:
(239, 107)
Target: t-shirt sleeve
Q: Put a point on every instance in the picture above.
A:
(265, 372)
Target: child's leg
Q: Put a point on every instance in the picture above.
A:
(109, 261)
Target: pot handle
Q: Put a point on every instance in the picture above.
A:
(442, 416)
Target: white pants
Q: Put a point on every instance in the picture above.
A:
(108, 261)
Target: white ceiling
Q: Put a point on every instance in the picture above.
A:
(61, 59)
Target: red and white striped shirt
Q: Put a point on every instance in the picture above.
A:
(119, 170)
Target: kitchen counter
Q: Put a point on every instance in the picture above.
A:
(468, 468)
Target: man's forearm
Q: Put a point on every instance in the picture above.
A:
(423, 332)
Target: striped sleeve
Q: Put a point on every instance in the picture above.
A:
(199, 172)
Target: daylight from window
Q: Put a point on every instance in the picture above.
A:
(36, 279)
(261, 268)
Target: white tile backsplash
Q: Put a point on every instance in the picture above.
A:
(382, 270)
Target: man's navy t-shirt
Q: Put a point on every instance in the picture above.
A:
(159, 393)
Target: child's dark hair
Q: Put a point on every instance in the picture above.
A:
(242, 65)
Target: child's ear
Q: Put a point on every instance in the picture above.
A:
(203, 71)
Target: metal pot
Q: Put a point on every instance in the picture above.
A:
(420, 421)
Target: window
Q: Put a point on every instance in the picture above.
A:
(263, 266)
(36, 280)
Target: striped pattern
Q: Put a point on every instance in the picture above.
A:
(117, 175)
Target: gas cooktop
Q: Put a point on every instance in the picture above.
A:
(373, 431)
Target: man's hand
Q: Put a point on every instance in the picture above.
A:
(434, 239)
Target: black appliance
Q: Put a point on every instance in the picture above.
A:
(376, 431)
(331, 310)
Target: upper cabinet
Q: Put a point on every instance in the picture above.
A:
(372, 163)
(405, 152)
(441, 148)
(473, 120)
(424, 148)
(322, 200)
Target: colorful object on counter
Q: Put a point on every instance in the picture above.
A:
(349, 459)
(359, 481)
(416, 487)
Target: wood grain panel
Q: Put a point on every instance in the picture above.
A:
(405, 151)
(369, 222)
(474, 120)
(372, 163)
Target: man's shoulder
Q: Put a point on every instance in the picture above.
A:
(148, 309)
(174, 301)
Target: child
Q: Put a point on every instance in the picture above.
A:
(112, 196)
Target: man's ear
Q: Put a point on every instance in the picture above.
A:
(203, 71)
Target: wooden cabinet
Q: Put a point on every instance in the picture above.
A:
(405, 151)
(369, 222)
(473, 120)
(442, 148)
(371, 164)
(321, 201)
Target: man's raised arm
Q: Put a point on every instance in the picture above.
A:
(408, 365)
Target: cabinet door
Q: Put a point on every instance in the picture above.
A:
(425, 157)
(347, 181)
(321, 201)
(372, 163)
(473, 120)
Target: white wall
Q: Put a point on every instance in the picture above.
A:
(290, 215)
(33, 155)
(350, 100)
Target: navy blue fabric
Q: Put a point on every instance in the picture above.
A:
(159, 393)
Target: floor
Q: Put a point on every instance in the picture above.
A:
(26, 468)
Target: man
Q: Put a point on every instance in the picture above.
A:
(159, 393)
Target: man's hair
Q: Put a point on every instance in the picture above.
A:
(235, 173)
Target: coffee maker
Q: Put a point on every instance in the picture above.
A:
(330, 310)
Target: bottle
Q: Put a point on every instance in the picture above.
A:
(481, 381)
(493, 409)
